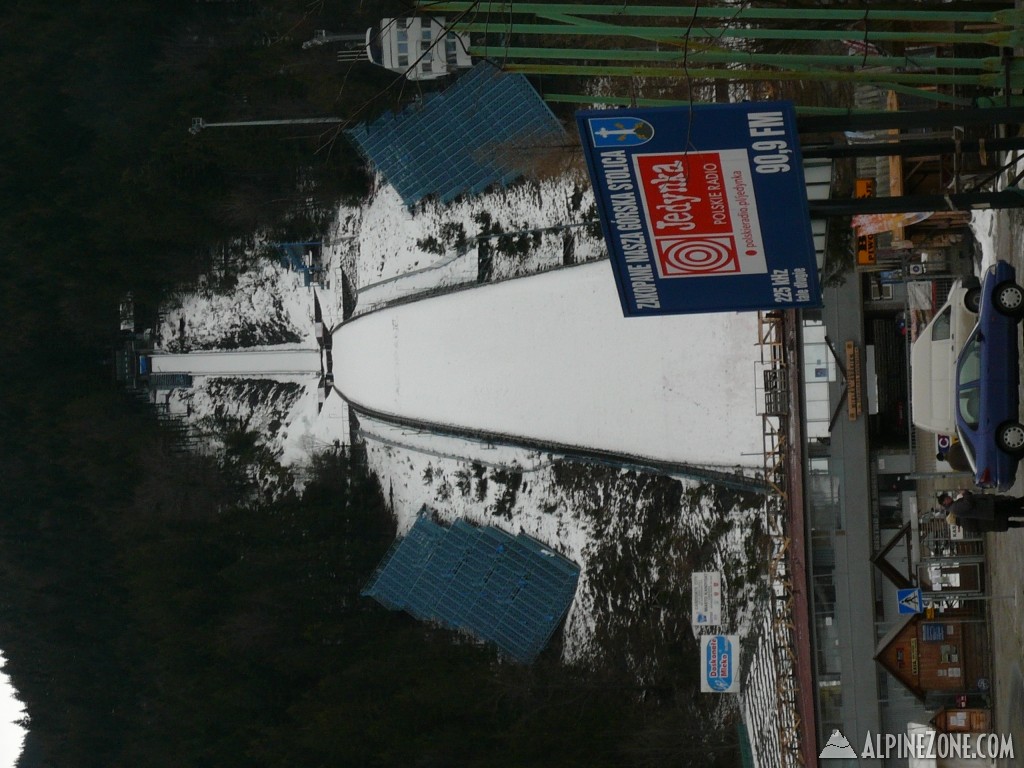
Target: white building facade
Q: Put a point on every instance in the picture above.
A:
(419, 48)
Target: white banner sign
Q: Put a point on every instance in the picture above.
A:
(706, 599)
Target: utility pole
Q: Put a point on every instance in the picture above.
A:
(914, 147)
(1012, 197)
(931, 118)
(199, 124)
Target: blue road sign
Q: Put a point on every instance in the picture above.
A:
(910, 600)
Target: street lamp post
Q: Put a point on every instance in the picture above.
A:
(199, 124)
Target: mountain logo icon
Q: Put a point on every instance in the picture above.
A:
(838, 746)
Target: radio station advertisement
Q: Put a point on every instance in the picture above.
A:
(719, 664)
(703, 208)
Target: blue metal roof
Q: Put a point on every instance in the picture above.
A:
(508, 590)
(461, 140)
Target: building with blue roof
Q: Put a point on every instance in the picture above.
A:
(479, 132)
(511, 591)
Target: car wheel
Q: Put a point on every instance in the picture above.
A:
(1010, 438)
(972, 300)
(1009, 298)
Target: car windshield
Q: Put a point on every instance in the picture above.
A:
(967, 384)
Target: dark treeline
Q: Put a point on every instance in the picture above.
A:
(102, 185)
(153, 612)
(191, 627)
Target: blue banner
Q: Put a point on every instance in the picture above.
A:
(703, 208)
(719, 664)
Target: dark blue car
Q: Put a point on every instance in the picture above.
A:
(987, 377)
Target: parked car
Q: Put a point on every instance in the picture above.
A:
(934, 354)
(986, 404)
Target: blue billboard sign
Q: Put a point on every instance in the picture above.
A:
(703, 208)
(720, 670)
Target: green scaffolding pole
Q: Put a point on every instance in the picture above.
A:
(574, 26)
(906, 78)
(579, 98)
(629, 101)
(1007, 17)
(705, 46)
(743, 58)
(924, 93)
(802, 63)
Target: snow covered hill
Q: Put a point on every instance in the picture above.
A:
(550, 359)
(637, 536)
(390, 251)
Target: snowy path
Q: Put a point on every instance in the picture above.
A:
(550, 358)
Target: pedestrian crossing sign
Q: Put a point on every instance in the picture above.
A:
(910, 600)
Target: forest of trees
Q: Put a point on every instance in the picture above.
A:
(169, 623)
(153, 614)
(103, 185)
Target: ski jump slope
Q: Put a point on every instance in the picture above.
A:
(550, 359)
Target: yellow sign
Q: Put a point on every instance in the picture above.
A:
(866, 250)
(854, 383)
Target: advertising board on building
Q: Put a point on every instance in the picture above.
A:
(867, 248)
(703, 208)
(719, 664)
(706, 599)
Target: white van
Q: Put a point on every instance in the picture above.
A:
(933, 358)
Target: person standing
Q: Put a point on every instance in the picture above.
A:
(983, 512)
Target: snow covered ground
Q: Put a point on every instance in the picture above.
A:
(391, 251)
(674, 389)
(636, 536)
(550, 358)
(654, 376)
(562, 343)
(265, 305)
(255, 359)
